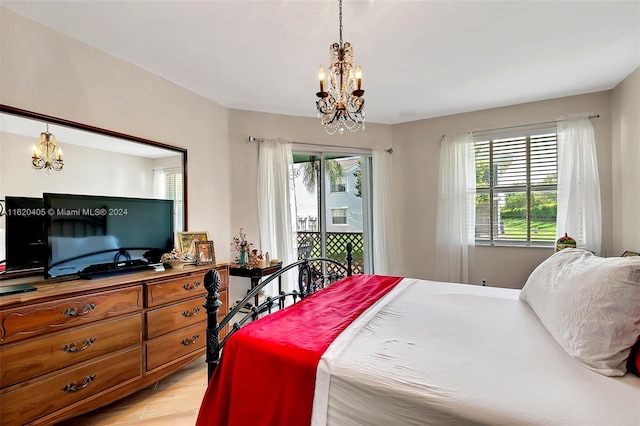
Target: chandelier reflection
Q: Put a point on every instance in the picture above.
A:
(47, 155)
(341, 106)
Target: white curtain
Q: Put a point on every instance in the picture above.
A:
(385, 249)
(579, 209)
(455, 233)
(159, 184)
(276, 205)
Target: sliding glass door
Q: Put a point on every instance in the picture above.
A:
(333, 206)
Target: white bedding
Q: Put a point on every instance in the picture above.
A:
(432, 353)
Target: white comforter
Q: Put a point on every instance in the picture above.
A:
(432, 353)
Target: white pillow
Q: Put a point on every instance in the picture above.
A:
(590, 305)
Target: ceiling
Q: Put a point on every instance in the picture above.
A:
(420, 59)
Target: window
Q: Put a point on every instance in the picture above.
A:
(516, 189)
(333, 220)
(339, 184)
(173, 188)
(339, 216)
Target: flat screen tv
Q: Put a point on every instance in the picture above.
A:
(101, 235)
(25, 243)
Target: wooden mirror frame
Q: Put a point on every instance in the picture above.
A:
(85, 127)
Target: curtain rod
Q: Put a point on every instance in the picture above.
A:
(389, 150)
(524, 125)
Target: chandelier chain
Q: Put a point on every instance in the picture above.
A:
(341, 23)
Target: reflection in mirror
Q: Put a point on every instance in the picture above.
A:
(96, 162)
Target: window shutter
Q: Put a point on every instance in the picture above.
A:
(516, 187)
(544, 187)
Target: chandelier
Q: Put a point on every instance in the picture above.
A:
(341, 106)
(47, 155)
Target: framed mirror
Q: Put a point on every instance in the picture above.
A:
(95, 161)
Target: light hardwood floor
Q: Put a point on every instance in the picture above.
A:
(173, 401)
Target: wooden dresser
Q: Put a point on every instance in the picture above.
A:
(73, 346)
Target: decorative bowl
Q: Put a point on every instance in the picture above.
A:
(177, 264)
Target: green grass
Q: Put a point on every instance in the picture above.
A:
(517, 229)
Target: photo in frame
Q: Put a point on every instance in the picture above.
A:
(205, 253)
(185, 240)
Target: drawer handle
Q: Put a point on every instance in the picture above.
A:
(73, 312)
(191, 341)
(71, 347)
(193, 313)
(74, 387)
(191, 286)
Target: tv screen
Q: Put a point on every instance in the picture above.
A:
(95, 235)
(25, 243)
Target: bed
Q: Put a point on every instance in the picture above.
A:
(369, 350)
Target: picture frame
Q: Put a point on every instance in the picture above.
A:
(185, 240)
(630, 253)
(204, 252)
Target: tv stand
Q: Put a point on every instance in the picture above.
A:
(73, 346)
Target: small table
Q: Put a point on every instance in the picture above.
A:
(256, 274)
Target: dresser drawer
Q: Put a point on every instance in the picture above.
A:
(224, 279)
(22, 361)
(176, 289)
(71, 385)
(35, 320)
(174, 345)
(175, 317)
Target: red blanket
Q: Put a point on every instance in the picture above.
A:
(267, 372)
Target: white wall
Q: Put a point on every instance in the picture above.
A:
(625, 111)
(47, 72)
(416, 151)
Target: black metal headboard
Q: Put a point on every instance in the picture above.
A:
(308, 282)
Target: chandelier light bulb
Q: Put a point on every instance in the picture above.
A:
(321, 77)
(36, 152)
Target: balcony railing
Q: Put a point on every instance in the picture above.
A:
(309, 245)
